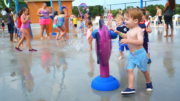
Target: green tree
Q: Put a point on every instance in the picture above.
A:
(75, 10)
(95, 11)
(177, 11)
(2, 4)
(115, 12)
(152, 9)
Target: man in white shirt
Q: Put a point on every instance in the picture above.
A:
(4, 13)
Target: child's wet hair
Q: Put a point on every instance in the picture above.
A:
(20, 13)
(89, 23)
(143, 11)
(55, 13)
(7, 10)
(134, 13)
(24, 9)
(62, 12)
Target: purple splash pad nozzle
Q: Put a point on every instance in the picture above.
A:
(103, 45)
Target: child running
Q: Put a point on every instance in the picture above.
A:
(19, 27)
(120, 27)
(82, 25)
(3, 26)
(59, 24)
(89, 34)
(15, 27)
(145, 26)
(137, 56)
(24, 29)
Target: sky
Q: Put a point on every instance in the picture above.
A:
(101, 2)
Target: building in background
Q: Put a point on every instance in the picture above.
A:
(34, 5)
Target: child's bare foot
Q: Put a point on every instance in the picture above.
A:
(41, 38)
(171, 35)
(89, 49)
(12, 42)
(48, 38)
(120, 58)
(166, 36)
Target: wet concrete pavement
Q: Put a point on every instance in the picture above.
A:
(63, 71)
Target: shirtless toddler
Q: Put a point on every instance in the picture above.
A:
(137, 56)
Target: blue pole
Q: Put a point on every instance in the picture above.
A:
(52, 6)
(53, 18)
(9, 2)
(16, 4)
(141, 4)
(60, 6)
(69, 27)
(30, 30)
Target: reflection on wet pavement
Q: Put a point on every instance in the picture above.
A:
(64, 70)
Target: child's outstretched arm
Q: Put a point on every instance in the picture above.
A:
(120, 33)
(139, 40)
(85, 33)
(149, 30)
(50, 11)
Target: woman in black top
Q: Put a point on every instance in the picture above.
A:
(168, 13)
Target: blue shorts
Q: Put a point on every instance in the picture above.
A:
(121, 47)
(138, 58)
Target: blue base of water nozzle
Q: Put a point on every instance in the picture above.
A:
(105, 84)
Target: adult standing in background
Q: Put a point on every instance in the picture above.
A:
(120, 11)
(110, 17)
(10, 23)
(3, 14)
(168, 13)
(44, 21)
(89, 14)
(147, 12)
(159, 15)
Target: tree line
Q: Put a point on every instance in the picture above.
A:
(98, 10)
